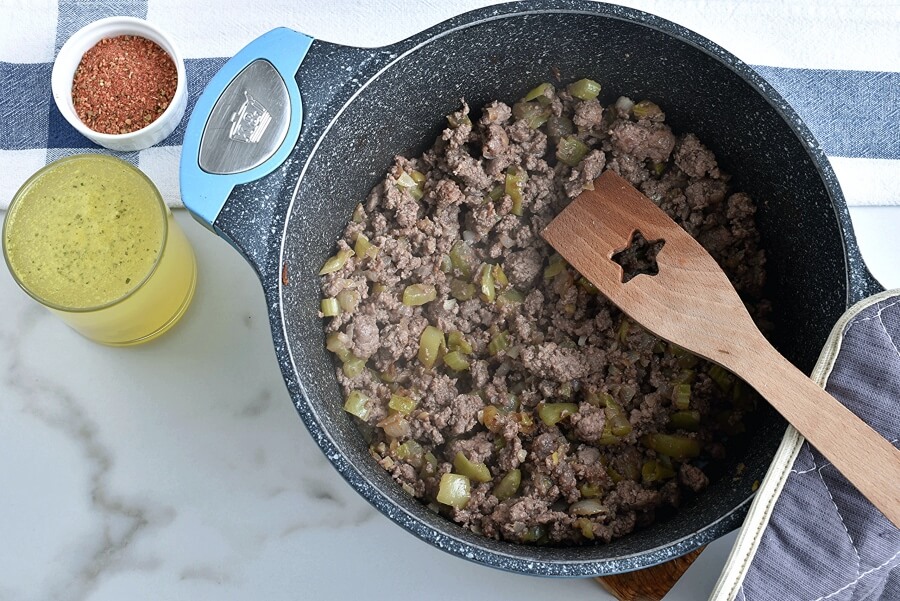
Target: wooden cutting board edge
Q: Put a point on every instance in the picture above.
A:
(649, 584)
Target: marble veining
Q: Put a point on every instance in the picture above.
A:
(179, 470)
(117, 520)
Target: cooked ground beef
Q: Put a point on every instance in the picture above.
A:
(480, 359)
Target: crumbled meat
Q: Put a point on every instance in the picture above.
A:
(694, 158)
(561, 364)
(365, 336)
(643, 140)
(692, 477)
(589, 423)
(588, 170)
(588, 114)
(496, 142)
(550, 383)
(476, 449)
(523, 267)
(463, 411)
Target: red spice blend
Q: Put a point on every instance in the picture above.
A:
(123, 84)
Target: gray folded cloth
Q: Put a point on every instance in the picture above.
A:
(823, 539)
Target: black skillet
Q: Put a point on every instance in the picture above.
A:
(279, 183)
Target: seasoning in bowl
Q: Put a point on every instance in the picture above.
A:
(123, 84)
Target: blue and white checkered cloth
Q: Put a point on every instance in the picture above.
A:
(836, 61)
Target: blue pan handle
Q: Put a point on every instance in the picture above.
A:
(242, 123)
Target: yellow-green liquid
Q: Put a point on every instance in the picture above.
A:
(89, 237)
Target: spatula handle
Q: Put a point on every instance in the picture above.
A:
(861, 454)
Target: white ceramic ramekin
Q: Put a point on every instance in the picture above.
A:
(69, 58)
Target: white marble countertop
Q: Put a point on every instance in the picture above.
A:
(179, 469)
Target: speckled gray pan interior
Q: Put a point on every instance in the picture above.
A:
(363, 106)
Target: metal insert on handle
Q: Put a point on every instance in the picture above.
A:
(248, 123)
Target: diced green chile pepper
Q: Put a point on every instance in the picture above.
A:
(508, 485)
(586, 528)
(430, 465)
(538, 91)
(659, 168)
(587, 285)
(418, 294)
(616, 418)
(646, 109)
(624, 328)
(535, 534)
(486, 290)
(498, 344)
(677, 447)
(478, 472)
(402, 404)
(463, 258)
(570, 150)
(681, 396)
(454, 490)
(456, 361)
(430, 344)
(590, 491)
(457, 342)
(534, 114)
(336, 262)
(685, 376)
(722, 377)
(335, 343)
(364, 248)
(395, 426)
(499, 276)
(496, 193)
(557, 266)
(446, 264)
(510, 297)
(655, 471)
(557, 127)
(353, 366)
(411, 452)
(552, 413)
(584, 89)
(356, 404)
(685, 420)
(515, 185)
(330, 307)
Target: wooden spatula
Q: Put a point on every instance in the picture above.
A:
(691, 303)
